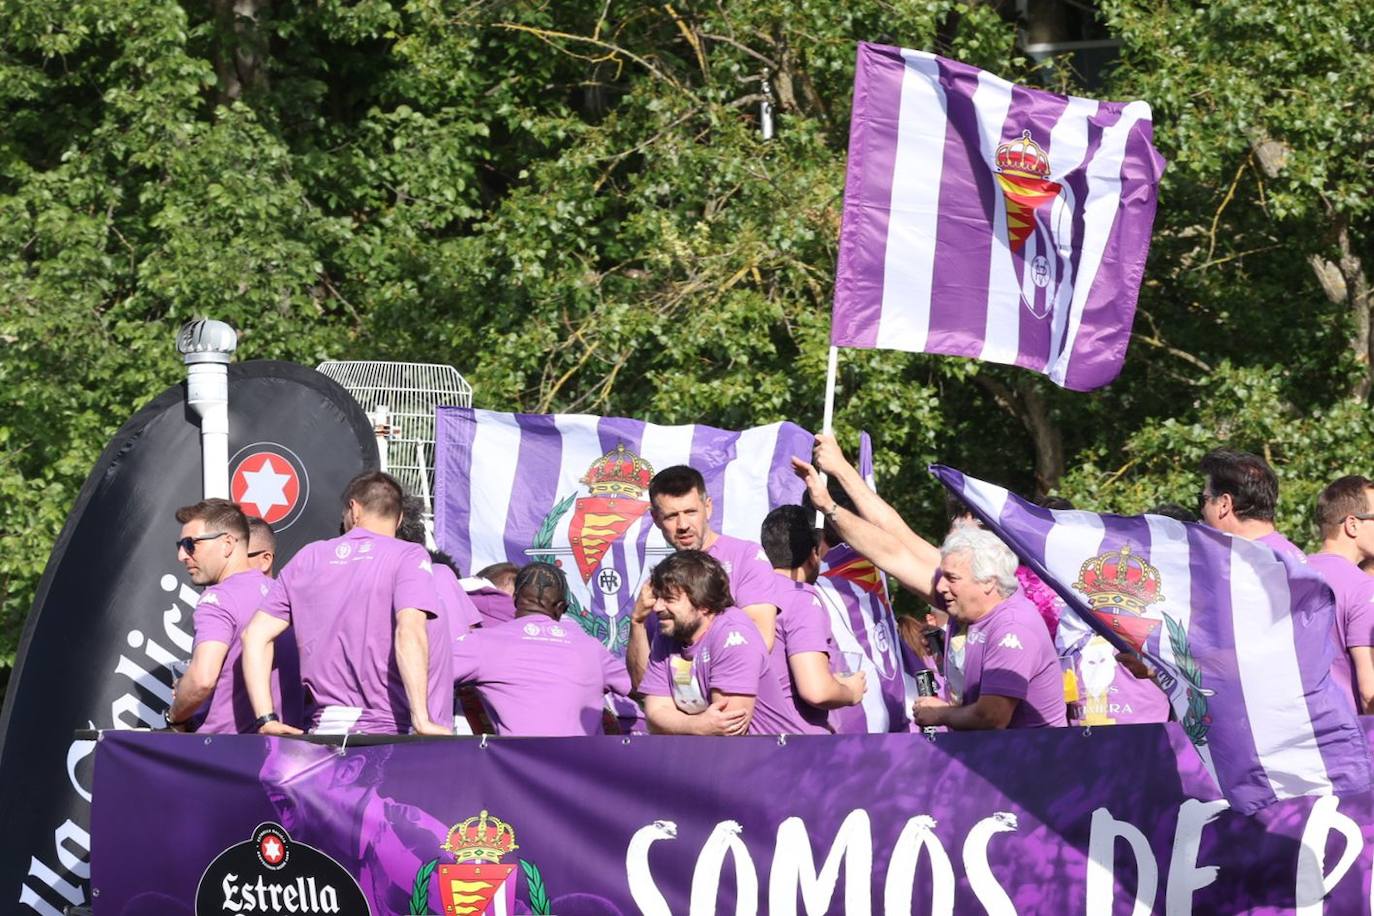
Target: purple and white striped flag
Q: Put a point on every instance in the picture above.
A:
(993, 221)
(1241, 636)
(854, 591)
(573, 489)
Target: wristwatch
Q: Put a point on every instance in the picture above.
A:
(262, 720)
(830, 513)
(167, 718)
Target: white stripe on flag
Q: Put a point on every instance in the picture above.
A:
(1169, 552)
(1099, 217)
(1075, 537)
(663, 447)
(1002, 335)
(1270, 678)
(991, 498)
(909, 263)
(746, 482)
(1068, 146)
(489, 496)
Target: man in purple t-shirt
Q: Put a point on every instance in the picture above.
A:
(492, 591)
(804, 656)
(359, 605)
(536, 674)
(1011, 676)
(213, 547)
(682, 509)
(262, 546)
(1239, 495)
(708, 670)
(1345, 520)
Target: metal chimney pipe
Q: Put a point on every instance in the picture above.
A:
(206, 346)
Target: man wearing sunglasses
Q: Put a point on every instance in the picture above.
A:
(1239, 496)
(262, 546)
(358, 605)
(213, 547)
(1345, 520)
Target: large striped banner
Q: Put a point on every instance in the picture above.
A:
(989, 220)
(573, 490)
(1240, 634)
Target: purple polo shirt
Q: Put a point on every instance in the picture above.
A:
(803, 626)
(1280, 544)
(1354, 590)
(341, 596)
(751, 575)
(729, 658)
(1008, 653)
(493, 605)
(539, 677)
(220, 616)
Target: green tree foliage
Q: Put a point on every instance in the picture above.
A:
(572, 203)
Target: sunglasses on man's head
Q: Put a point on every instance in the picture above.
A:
(188, 544)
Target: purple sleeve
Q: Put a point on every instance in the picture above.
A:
(1008, 662)
(808, 627)
(278, 600)
(414, 584)
(656, 681)
(615, 673)
(213, 624)
(1359, 619)
(738, 660)
(467, 658)
(752, 582)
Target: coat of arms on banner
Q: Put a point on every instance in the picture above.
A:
(1120, 586)
(1023, 175)
(477, 882)
(612, 511)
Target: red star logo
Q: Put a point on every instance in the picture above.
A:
(272, 848)
(266, 485)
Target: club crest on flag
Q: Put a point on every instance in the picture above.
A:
(1119, 586)
(477, 882)
(1023, 176)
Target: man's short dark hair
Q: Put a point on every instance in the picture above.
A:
(1250, 482)
(789, 536)
(1054, 502)
(218, 515)
(497, 571)
(263, 531)
(678, 480)
(1342, 498)
(697, 575)
(546, 582)
(377, 492)
(1174, 511)
(956, 508)
(412, 526)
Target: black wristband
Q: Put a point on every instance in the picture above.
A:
(167, 717)
(262, 720)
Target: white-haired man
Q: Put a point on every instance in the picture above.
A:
(1011, 675)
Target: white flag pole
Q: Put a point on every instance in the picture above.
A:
(828, 417)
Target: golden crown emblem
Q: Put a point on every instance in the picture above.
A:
(1118, 580)
(619, 473)
(1023, 156)
(480, 839)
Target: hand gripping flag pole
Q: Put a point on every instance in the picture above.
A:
(828, 417)
(207, 346)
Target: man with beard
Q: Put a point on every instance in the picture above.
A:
(708, 671)
(681, 508)
(213, 547)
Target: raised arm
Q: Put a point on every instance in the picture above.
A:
(830, 459)
(915, 570)
(637, 649)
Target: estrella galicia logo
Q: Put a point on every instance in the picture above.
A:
(269, 873)
(269, 480)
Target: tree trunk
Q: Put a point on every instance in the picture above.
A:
(1346, 283)
(1028, 404)
(241, 48)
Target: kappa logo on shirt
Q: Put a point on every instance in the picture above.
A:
(736, 638)
(761, 555)
(1010, 641)
(264, 589)
(427, 566)
(728, 567)
(209, 598)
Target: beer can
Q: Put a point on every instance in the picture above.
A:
(925, 683)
